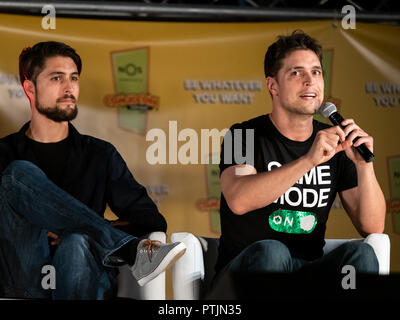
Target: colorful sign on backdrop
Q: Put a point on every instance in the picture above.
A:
(182, 79)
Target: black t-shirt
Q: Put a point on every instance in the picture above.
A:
(297, 218)
(52, 157)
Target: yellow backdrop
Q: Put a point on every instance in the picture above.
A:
(200, 76)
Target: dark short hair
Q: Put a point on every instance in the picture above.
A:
(277, 51)
(32, 59)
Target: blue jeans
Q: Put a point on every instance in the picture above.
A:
(274, 257)
(30, 206)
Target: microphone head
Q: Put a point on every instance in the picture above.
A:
(327, 109)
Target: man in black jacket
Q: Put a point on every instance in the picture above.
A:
(54, 189)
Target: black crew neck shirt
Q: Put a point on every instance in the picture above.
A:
(52, 157)
(298, 217)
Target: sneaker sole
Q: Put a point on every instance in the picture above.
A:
(168, 261)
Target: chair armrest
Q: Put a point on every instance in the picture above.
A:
(188, 271)
(129, 288)
(380, 242)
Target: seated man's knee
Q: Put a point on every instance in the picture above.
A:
(20, 169)
(20, 166)
(362, 256)
(269, 247)
(273, 255)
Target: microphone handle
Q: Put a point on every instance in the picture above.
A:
(362, 149)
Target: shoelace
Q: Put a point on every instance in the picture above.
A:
(150, 246)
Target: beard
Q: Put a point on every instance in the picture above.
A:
(58, 114)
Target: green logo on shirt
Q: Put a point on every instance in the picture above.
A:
(289, 221)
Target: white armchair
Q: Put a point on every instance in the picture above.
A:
(193, 272)
(129, 288)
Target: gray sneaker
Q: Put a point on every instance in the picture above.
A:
(153, 257)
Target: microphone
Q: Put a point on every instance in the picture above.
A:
(328, 110)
